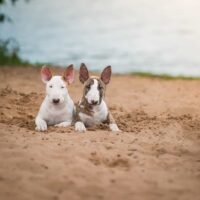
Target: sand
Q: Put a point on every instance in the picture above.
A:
(156, 156)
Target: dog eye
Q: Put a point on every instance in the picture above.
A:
(62, 87)
(100, 87)
(88, 87)
(50, 86)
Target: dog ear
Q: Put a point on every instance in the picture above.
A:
(46, 74)
(68, 74)
(106, 75)
(83, 73)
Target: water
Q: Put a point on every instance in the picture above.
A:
(156, 36)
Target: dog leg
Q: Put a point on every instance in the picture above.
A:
(80, 127)
(41, 125)
(114, 127)
(112, 124)
(63, 124)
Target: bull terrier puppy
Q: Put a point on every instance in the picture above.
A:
(92, 109)
(57, 108)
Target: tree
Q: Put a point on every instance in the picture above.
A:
(4, 17)
(9, 48)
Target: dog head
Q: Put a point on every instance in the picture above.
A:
(94, 87)
(56, 86)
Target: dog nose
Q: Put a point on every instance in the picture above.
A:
(94, 102)
(56, 101)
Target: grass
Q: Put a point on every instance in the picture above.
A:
(164, 76)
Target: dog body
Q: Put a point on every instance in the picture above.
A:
(98, 115)
(92, 109)
(57, 108)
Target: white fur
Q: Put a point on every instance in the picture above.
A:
(63, 124)
(93, 93)
(100, 113)
(60, 114)
(114, 127)
(80, 127)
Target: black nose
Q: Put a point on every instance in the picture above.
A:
(94, 102)
(56, 101)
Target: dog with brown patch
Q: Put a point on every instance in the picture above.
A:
(92, 109)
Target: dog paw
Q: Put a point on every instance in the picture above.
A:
(114, 128)
(63, 124)
(41, 125)
(80, 127)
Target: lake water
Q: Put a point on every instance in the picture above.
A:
(156, 36)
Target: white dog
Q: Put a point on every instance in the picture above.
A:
(92, 109)
(57, 108)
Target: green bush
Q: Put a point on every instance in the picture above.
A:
(9, 53)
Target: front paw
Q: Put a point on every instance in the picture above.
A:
(41, 125)
(63, 124)
(80, 127)
(114, 128)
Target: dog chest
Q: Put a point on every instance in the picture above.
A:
(99, 115)
(55, 114)
(55, 118)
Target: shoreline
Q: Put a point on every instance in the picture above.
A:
(134, 73)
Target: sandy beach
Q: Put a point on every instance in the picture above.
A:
(156, 156)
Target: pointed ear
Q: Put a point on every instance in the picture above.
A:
(83, 73)
(106, 75)
(68, 74)
(46, 74)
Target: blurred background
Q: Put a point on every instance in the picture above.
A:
(154, 36)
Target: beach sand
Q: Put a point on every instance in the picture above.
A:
(156, 156)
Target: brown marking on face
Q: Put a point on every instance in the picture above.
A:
(87, 86)
(84, 106)
(101, 88)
